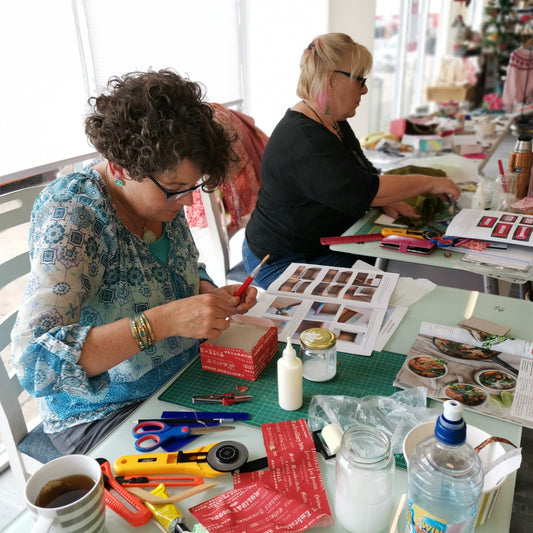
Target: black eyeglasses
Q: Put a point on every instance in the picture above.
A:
(362, 81)
(172, 196)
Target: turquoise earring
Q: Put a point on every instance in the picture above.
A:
(118, 181)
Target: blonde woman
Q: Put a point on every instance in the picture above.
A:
(315, 179)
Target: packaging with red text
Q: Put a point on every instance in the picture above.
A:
(243, 350)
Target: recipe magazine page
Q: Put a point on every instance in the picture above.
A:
(480, 371)
(498, 226)
(351, 303)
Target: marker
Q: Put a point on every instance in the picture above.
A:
(251, 277)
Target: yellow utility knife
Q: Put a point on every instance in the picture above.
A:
(403, 232)
(208, 461)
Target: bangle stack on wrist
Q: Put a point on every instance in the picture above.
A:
(142, 331)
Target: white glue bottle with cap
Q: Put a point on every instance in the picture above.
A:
(445, 478)
(290, 379)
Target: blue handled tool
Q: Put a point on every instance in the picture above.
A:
(150, 435)
(444, 241)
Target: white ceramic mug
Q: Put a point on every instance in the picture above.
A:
(86, 514)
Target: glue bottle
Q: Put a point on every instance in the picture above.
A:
(290, 379)
(445, 477)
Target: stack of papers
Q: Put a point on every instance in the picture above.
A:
(352, 303)
(512, 229)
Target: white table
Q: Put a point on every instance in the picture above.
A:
(443, 305)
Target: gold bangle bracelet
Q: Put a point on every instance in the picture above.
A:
(148, 327)
(142, 331)
(136, 335)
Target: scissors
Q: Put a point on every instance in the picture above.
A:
(444, 241)
(152, 434)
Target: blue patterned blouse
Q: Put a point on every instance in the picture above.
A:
(87, 269)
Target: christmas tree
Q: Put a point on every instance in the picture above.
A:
(503, 30)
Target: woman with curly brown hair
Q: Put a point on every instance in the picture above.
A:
(117, 301)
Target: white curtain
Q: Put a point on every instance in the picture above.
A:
(57, 53)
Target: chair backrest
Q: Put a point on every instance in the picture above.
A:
(228, 211)
(219, 244)
(15, 209)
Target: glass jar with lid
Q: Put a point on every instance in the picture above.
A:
(319, 354)
(364, 480)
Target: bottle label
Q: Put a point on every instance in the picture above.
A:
(420, 521)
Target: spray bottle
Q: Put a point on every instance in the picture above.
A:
(520, 163)
(290, 379)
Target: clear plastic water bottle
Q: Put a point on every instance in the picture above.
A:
(445, 478)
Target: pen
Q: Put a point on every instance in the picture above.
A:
(251, 277)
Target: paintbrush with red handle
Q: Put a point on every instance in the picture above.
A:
(251, 277)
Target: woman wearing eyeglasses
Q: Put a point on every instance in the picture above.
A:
(117, 301)
(315, 180)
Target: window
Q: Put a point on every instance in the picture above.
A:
(199, 39)
(64, 51)
(43, 90)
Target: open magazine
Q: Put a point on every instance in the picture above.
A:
(497, 226)
(351, 303)
(482, 372)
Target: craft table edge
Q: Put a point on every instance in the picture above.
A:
(443, 305)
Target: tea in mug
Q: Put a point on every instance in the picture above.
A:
(63, 491)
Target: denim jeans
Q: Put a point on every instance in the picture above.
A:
(271, 271)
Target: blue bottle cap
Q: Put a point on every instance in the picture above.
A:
(450, 427)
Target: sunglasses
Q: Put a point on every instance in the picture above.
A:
(173, 196)
(362, 81)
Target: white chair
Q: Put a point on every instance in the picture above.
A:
(222, 267)
(25, 444)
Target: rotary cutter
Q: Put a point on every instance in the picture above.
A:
(207, 461)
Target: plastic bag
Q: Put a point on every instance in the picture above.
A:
(396, 415)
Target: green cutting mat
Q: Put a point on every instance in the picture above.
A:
(356, 376)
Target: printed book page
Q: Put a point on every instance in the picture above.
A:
(498, 226)
(522, 407)
(351, 303)
(453, 364)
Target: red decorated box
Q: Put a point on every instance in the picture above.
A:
(243, 350)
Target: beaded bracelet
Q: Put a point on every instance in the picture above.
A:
(142, 331)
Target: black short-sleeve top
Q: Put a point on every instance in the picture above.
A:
(312, 186)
